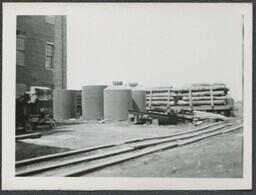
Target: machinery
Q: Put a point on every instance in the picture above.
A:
(153, 117)
(35, 108)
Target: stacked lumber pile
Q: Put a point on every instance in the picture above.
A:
(160, 97)
(196, 95)
(203, 94)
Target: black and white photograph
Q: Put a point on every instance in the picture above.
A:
(127, 96)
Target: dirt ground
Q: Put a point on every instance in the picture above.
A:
(87, 134)
(217, 157)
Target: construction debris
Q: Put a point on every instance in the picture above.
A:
(160, 116)
(200, 115)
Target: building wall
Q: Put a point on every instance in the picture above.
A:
(37, 32)
(60, 70)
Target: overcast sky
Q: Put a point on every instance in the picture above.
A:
(158, 45)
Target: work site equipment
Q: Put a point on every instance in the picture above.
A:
(153, 117)
(35, 108)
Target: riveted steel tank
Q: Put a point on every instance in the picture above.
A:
(117, 102)
(92, 102)
(62, 104)
(138, 97)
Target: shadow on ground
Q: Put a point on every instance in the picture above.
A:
(23, 150)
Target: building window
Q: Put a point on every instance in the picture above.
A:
(20, 50)
(49, 49)
(50, 19)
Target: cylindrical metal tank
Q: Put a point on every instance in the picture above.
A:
(62, 104)
(92, 102)
(117, 102)
(138, 97)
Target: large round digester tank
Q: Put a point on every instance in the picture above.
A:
(62, 104)
(92, 102)
(138, 97)
(117, 102)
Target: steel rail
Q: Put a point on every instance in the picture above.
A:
(89, 149)
(72, 161)
(128, 149)
(181, 133)
(143, 152)
(94, 157)
(93, 148)
(179, 137)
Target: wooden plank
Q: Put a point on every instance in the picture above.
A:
(187, 131)
(180, 133)
(166, 98)
(159, 94)
(203, 107)
(211, 92)
(142, 152)
(195, 98)
(28, 136)
(156, 102)
(72, 152)
(190, 98)
(160, 89)
(192, 140)
(207, 115)
(202, 102)
(101, 165)
(205, 93)
(196, 107)
(62, 154)
(180, 137)
(150, 99)
(72, 162)
(197, 88)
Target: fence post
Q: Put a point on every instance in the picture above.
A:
(150, 98)
(211, 92)
(168, 96)
(190, 98)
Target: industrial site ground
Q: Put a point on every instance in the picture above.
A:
(217, 157)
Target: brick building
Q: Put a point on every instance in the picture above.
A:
(40, 52)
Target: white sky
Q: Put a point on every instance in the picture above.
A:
(155, 45)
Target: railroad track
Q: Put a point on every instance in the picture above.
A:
(80, 162)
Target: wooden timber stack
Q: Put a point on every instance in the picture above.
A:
(207, 97)
(160, 97)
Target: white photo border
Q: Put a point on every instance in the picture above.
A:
(10, 182)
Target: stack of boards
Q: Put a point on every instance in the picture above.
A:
(196, 96)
